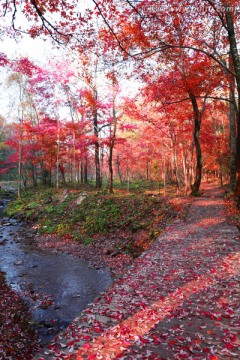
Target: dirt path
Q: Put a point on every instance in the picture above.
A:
(179, 300)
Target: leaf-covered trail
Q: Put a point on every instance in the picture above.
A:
(179, 300)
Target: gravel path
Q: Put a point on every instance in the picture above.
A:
(179, 300)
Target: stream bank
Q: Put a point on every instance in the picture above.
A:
(56, 286)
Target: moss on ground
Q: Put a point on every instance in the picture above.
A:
(58, 213)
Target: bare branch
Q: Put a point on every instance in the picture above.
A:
(135, 9)
(6, 7)
(48, 26)
(215, 98)
(103, 126)
(14, 13)
(176, 102)
(111, 29)
(218, 13)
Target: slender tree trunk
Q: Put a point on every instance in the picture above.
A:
(74, 161)
(175, 165)
(218, 151)
(236, 65)
(119, 170)
(58, 151)
(20, 160)
(44, 176)
(128, 179)
(232, 137)
(147, 170)
(196, 132)
(34, 177)
(110, 167)
(97, 153)
(112, 143)
(164, 174)
(81, 172)
(237, 185)
(62, 171)
(185, 170)
(86, 170)
(50, 177)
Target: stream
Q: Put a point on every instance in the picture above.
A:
(56, 286)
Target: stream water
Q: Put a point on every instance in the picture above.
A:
(56, 286)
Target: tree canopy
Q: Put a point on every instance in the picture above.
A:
(76, 120)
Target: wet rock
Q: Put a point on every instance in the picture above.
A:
(64, 195)
(76, 296)
(6, 224)
(103, 319)
(81, 197)
(18, 262)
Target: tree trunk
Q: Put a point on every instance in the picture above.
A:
(20, 163)
(62, 171)
(236, 65)
(232, 145)
(237, 185)
(97, 153)
(232, 130)
(34, 177)
(164, 174)
(175, 166)
(81, 172)
(147, 170)
(50, 178)
(112, 143)
(196, 132)
(86, 170)
(58, 151)
(118, 169)
(110, 167)
(185, 170)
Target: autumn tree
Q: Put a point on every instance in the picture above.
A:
(148, 29)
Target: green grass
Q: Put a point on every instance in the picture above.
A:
(98, 214)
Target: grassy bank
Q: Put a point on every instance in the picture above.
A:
(131, 221)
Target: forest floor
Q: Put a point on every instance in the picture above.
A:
(106, 230)
(178, 300)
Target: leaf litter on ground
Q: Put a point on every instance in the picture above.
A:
(178, 300)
